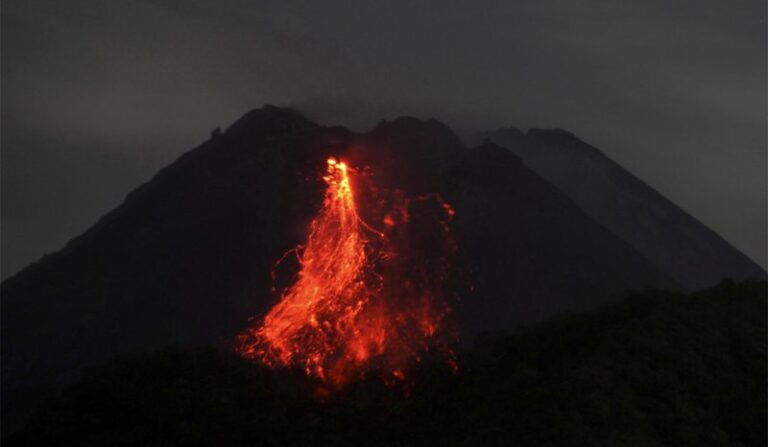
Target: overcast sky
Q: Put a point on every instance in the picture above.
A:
(98, 95)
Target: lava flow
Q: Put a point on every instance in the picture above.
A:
(364, 301)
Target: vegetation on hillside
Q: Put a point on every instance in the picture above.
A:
(657, 369)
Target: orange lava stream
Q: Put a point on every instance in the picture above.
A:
(334, 321)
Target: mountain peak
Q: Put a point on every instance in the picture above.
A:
(490, 150)
(419, 151)
(511, 131)
(408, 131)
(500, 157)
(556, 134)
(412, 126)
(269, 120)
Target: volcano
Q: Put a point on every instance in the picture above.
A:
(189, 257)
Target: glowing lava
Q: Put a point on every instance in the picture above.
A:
(354, 308)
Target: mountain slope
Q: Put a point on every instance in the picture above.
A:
(186, 259)
(527, 240)
(680, 245)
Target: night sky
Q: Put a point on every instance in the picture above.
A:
(98, 95)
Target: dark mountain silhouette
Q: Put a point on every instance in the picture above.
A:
(186, 259)
(680, 245)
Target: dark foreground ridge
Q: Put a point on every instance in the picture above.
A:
(657, 369)
(186, 259)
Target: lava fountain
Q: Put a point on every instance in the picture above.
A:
(364, 301)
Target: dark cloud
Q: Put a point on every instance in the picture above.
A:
(99, 95)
